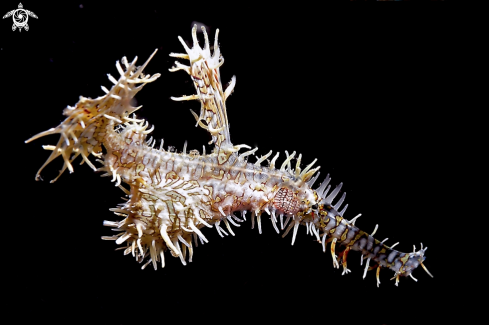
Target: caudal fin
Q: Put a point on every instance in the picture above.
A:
(85, 129)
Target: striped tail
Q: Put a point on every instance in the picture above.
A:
(340, 231)
(343, 234)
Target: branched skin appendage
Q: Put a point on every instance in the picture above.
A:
(173, 196)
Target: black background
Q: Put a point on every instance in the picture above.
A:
(364, 90)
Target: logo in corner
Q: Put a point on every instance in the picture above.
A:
(20, 17)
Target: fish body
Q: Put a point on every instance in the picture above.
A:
(173, 196)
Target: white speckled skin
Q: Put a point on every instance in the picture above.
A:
(178, 187)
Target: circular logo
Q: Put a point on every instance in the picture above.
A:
(20, 18)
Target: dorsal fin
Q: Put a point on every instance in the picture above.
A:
(204, 71)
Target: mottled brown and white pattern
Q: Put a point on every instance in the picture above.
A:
(173, 196)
